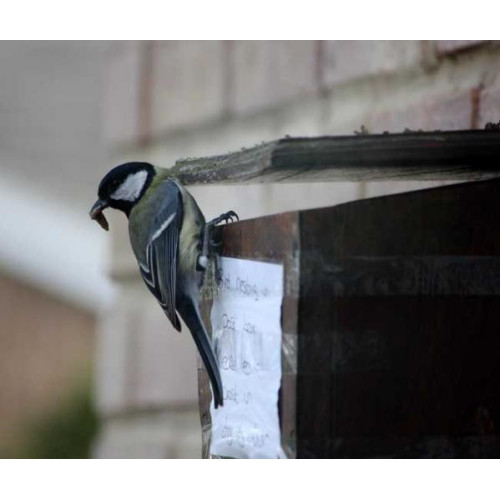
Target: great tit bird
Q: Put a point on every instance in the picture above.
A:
(171, 242)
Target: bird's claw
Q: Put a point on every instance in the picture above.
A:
(209, 245)
(229, 216)
(225, 217)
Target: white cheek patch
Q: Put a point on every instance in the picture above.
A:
(131, 187)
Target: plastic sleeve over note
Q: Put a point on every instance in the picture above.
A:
(247, 337)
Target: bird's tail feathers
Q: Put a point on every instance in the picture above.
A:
(190, 313)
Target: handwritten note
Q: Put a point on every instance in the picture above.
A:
(246, 326)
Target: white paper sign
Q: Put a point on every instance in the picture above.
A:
(246, 326)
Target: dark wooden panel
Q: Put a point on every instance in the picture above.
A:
(414, 368)
(467, 154)
(399, 313)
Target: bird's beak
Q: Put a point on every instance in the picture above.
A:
(97, 215)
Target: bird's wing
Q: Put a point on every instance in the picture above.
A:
(159, 270)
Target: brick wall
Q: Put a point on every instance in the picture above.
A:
(167, 100)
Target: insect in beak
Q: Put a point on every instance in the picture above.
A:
(97, 215)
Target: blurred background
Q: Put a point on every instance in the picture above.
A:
(89, 366)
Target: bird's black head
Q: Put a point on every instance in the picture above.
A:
(121, 188)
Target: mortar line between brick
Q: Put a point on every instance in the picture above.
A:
(145, 93)
(319, 68)
(228, 78)
(475, 97)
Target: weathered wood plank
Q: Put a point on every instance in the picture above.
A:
(452, 155)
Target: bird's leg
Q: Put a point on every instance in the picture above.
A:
(207, 237)
(203, 257)
(226, 217)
